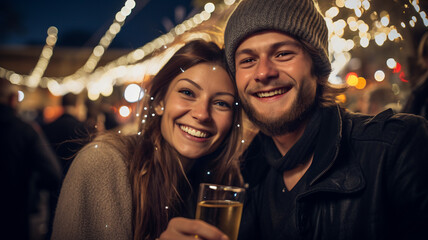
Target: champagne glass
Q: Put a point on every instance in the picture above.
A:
(221, 206)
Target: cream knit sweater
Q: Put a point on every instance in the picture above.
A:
(95, 199)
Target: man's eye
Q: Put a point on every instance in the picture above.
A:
(282, 54)
(247, 60)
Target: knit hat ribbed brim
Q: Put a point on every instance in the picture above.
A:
(297, 18)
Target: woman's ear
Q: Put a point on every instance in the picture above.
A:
(159, 108)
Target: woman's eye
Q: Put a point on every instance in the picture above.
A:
(186, 92)
(222, 104)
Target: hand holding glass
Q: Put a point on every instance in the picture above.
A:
(221, 206)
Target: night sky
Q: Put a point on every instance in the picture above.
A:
(82, 23)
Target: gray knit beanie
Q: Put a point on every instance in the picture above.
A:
(298, 18)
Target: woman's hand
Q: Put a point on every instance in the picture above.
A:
(190, 229)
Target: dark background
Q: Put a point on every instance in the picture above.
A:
(82, 23)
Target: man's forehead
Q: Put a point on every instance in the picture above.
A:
(266, 39)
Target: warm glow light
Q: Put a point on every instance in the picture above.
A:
(391, 63)
(353, 25)
(366, 4)
(363, 27)
(93, 95)
(21, 96)
(352, 79)
(385, 20)
(340, 3)
(361, 83)
(364, 42)
(393, 34)
(332, 12)
(130, 4)
(209, 7)
(52, 30)
(133, 93)
(124, 111)
(379, 75)
(380, 39)
(341, 98)
(15, 78)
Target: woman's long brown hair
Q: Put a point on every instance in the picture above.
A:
(154, 165)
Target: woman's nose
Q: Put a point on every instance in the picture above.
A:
(201, 111)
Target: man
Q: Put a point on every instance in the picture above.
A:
(23, 153)
(417, 102)
(315, 171)
(63, 135)
(66, 128)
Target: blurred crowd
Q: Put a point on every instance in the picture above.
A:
(37, 150)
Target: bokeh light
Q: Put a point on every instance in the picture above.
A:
(379, 75)
(21, 96)
(133, 93)
(124, 111)
(391, 63)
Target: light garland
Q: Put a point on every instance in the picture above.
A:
(378, 32)
(126, 68)
(136, 64)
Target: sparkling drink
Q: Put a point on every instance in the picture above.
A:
(224, 214)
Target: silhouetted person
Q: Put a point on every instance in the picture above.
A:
(66, 134)
(63, 132)
(418, 99)
(23, 152)
(379, 99)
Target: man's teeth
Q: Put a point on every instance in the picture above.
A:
(271, 93)
(194, 132)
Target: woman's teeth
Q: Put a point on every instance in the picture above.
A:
(194, 132)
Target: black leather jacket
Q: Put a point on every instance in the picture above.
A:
(369, 182)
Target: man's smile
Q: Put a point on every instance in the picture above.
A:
(272, 93)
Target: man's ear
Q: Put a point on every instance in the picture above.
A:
(159, 108)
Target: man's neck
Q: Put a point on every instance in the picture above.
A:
(286, 141)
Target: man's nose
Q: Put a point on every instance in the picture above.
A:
(266, 70)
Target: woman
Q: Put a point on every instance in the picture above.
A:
(124, 187)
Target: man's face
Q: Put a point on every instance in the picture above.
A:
(274, 80)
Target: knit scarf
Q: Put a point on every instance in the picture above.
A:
(302, 149)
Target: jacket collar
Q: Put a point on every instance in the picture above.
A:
(329, 172)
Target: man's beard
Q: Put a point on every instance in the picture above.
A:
(301, 109)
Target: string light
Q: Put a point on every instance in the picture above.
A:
(93, 78)
(132, 66)
(34, 79)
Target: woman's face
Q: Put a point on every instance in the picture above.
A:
(197, 110)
